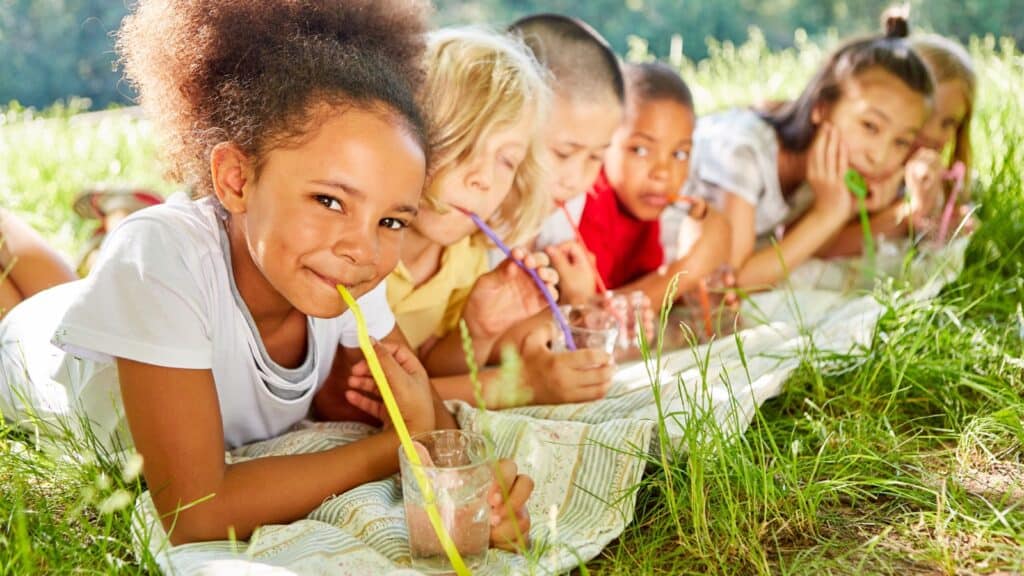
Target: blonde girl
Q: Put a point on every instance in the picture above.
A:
(486, 100)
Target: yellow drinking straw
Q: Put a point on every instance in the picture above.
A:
(403, 434)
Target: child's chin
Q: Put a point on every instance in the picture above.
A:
(319, 303)
(646, 212)
(321, 309)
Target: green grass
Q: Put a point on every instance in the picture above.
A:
(902, 457)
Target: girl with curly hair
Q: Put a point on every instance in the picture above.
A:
(214, 322)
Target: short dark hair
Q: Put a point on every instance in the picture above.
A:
(890, 52)
(656, 81)
(209, 71)
(582, 62)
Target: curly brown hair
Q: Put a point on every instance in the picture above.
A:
(253, 73)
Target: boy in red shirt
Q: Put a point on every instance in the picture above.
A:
(644, 169)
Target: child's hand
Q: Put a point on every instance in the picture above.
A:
(565, 377)
(409, 384)
(826, 171)
(510, 522)
(575, 274)
(883, 194)
(507, 295)
(924, 184)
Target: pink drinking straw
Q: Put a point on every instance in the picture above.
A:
(957, 174)
(570, 344)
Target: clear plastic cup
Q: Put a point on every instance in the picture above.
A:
(591, 326)
(630, 310)
(459, 467)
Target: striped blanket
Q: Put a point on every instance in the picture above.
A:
(585, 458)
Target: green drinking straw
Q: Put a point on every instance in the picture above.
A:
(856, 184)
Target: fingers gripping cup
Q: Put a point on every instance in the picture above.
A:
(591, 326)
(459, 465)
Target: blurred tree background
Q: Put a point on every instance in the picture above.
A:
(53, 50)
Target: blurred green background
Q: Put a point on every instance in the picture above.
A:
(52, 50)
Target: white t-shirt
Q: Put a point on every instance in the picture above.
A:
(556, 228)
(162, 293)
(737, 152)
(679, 232)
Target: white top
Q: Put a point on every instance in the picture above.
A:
(737, 152)
(162, 293)
(556, 228)
(679, 232)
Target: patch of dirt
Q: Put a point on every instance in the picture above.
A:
(994, 480)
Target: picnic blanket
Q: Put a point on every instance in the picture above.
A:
(585, 458)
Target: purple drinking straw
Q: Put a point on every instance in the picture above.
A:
(559, 318)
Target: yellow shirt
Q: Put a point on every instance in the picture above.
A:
(435, 307)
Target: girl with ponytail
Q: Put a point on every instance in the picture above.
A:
(785, 165)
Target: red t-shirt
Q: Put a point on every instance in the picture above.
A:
(625, 248)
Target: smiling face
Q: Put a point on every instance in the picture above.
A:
(649, 158)
(330, 210)
(577, 136)
(479, 183)
(947, 115)
(879, 118)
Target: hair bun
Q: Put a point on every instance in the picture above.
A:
(896, 21)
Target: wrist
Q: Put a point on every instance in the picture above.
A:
(833, 216)
(500, 392)
(420, 427)
(578, 297)
(481, 333)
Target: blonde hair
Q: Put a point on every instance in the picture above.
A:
(479, 81)
(949, 61)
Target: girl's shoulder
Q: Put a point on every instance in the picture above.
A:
(176, 228)
(737, 123)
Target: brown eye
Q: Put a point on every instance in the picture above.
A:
(394, 224)
(329, 202)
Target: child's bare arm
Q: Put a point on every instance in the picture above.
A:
(546, 377)
(833, 207)
(498, 300)
(30, 263)
(335, 400)
(741, 217)
(445, 356)
(175, 420)
(889, 223)
(710, 251)
(769, 265)
(577, 281)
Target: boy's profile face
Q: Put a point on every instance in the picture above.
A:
(579, 133)
(649, 159)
